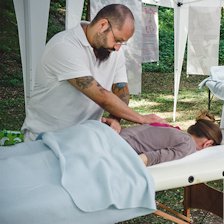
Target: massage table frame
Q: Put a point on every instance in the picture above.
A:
(200, 196)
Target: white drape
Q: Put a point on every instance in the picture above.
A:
(150, 34)
(203, 39)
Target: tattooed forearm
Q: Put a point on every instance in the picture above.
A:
(121, 90)
(84, 82)
(100, 87)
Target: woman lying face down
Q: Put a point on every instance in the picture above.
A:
(157, 143)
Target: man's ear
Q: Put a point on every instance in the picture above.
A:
(208, 143)
(103, 25)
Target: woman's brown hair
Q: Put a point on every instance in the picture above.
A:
(206, 128)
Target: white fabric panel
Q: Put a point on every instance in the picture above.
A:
(164, 3)
(180, 39)
(202, 3)
(203, 39)
(73, 12)
(150, 33)
(132, 51)
(32, 19)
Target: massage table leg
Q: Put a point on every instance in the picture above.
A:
(174, 216)
(202, 196)
(199, 196)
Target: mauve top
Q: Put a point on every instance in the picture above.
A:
(158, 143)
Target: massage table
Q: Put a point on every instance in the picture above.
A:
(88, 174)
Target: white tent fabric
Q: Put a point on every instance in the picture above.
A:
(163, 3)
(73, 12)
(150, 34)
(203, 25)
(32, 28)
(180, 39)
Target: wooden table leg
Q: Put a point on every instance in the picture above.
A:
(202, 196)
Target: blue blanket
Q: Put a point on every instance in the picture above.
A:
(83, 174)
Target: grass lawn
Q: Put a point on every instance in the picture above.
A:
(156, 97)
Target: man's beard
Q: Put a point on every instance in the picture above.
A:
(102, 54)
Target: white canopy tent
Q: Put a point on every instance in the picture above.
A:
(32, 26)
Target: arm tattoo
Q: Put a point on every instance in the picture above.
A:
(84, 82)
(101, 89)
(121, 90)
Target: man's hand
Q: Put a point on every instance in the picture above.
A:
(152, 118)
(113, 123)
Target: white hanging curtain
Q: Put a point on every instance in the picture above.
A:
(203, 25)
(150, 34)
(73, 13)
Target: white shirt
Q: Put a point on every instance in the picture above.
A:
(54, 102)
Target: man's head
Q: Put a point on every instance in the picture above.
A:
(112, 27)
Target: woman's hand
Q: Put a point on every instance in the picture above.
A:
(144, 158)
(113, 123)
